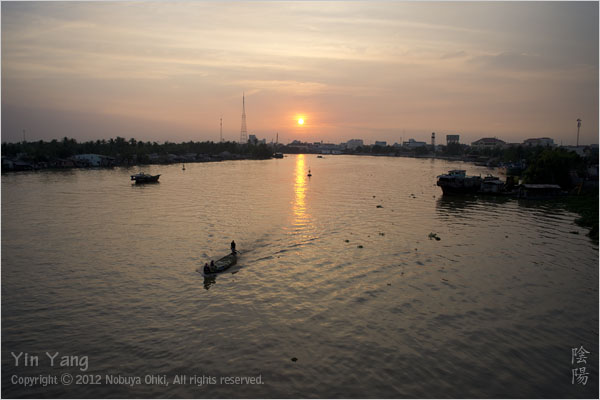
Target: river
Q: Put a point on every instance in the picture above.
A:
(339, 290)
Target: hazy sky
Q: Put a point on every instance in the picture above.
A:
(371, 70)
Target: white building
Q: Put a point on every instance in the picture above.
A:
(412, 143)
(94, 160)
(354, 143)
(539, 142)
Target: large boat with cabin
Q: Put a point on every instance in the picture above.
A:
(456, 181)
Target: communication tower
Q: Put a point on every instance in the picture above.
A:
(244, 131)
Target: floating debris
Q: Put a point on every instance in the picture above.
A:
(347, 241)
(360, 246)
(379, 206)
(389, 284)
(381, 234)
(574, 232)
(373, 196)
(294, 359)
(434, 236)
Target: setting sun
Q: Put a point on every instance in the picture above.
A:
(300, 121)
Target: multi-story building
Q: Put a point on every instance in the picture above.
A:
(539, 142)
(488, 143)
(452, 139)
(354, 143)
(412, 143)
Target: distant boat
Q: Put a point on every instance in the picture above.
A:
(145, 178)
(221, 265)
(309, 174)
(278, 155)
(319, 156)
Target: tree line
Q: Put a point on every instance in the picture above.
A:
(43, 151)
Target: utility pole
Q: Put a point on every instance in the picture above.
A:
(221, 130)
(578, 126)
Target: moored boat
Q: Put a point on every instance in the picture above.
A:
(145, 178)
(539, 191)
(492, 185)
(456, 181)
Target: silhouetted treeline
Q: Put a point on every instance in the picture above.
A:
(131, 149)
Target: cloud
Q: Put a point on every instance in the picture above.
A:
(455, 54)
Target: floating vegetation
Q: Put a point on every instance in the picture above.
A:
(294, 359)
(381, 234)
(360, 246)
(434, 236)
(347, 241)
(379, 206)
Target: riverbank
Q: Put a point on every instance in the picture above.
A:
(587, 207)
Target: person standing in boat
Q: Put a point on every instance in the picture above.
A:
(206, 269)
(233, 247)
(212, 265)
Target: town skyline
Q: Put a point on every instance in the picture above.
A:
(378, 72)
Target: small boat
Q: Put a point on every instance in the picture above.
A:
(278, 155)
(145, 178)
(221, 265)
(309, 174)
(319, 156)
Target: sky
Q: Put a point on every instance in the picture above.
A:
(169, 71)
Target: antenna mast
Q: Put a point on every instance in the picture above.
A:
(221, 130)
(244, 131)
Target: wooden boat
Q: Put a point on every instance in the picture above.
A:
(457, 182)
(145, 178)
(221, 265)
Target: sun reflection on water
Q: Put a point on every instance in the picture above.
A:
(301, 216)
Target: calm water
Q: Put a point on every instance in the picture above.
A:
(94, 266)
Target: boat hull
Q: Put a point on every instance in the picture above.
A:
(145, 178)
(460, 185)
(221, 265)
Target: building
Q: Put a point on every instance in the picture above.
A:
(354, 143)
(488, 143)
(252, 139)
(94, 160)
(539, 142)
(452, 139)
(412, 143)
(381, 143)
(327, 148)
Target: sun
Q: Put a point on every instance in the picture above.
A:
(300, 121)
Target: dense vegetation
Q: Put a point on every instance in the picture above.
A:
(126, 149)
(554, 166)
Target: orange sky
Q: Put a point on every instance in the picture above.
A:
(376, 71)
